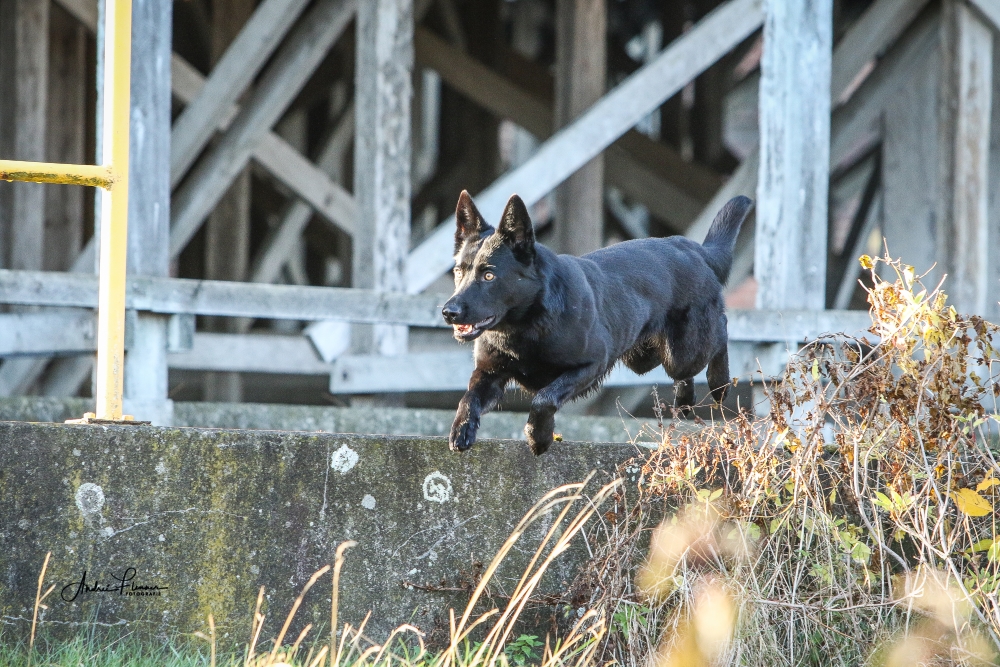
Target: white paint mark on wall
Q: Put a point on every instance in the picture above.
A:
(343, 459)
(437, 488)
(368, 502)
(89, 498)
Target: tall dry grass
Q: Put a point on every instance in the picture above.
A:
(853, 524)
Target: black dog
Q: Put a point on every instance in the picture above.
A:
(557, 324)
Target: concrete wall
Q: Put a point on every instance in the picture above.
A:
(215, 514)
(382, 421)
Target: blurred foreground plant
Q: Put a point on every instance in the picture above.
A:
(811, 530)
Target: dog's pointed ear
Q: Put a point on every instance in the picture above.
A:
(469, 222)
(516, 230)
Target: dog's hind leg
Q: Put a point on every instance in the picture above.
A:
(485, 391)
(684, 395)
(718, 375)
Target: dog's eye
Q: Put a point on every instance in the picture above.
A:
(488, 276)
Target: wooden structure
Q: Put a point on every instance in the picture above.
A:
(325, 142)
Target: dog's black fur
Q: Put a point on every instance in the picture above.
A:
(557, 324)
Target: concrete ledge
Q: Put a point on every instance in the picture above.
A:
(214, 514)
(382, 421)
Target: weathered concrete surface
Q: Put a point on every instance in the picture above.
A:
(215, 514)
(383, 421)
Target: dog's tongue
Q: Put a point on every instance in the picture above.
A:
(463, 328)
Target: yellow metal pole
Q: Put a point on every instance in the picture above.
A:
(114, 209)
(45, 172)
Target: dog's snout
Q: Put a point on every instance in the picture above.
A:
(451, 311)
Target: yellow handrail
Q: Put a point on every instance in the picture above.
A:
(112, 176)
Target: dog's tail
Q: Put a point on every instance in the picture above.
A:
(721, 238)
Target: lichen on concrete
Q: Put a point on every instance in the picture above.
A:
(212, 515)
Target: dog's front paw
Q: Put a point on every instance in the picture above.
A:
(539, 438)
(462, 435)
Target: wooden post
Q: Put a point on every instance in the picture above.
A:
(382, 153)
(793, 181)
(65, 134)
(937, 191)
(965, 109)
(149, 203)
(227, 231)
(993, 283)
(24, 64)
(581, 64)
(24, 61)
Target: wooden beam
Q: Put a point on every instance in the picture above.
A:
(207, 297)
(250, 353)
(450, 371)
(794, 172)
(149, 190)
(312, 184)
(648, 171)
(279, 245)
(966, 101)
(294, 63)
(877, 28)
(993, 313)
(849, 282)
(66, 133)
(857, 125)
(382, 156)
(24, 61)
(603, 123)
(230, 76)
(187, 83)
(581, 74)
(990, 9)
(911, 182)
(62, 331)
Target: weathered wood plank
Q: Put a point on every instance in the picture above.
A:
(149, 190)
(206, 297)
(450, 371)
(250, 353)
(993, 314)
(229, 78)
(648, 171)
(581, 75)
(382, 157)
(910, 179)
(791, 222)
(314, 186)
(966, 102)
(881, 24)
(857, 125)
(24, 61)
(63, 331)
(282, 242)
(990, 9)
(65, 136)
(849, 282)
(294, 63)
(603, 123)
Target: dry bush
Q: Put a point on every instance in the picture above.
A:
(854, 524)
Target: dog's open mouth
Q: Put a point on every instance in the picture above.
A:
(471, 331)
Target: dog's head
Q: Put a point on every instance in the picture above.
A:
(494, 268)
